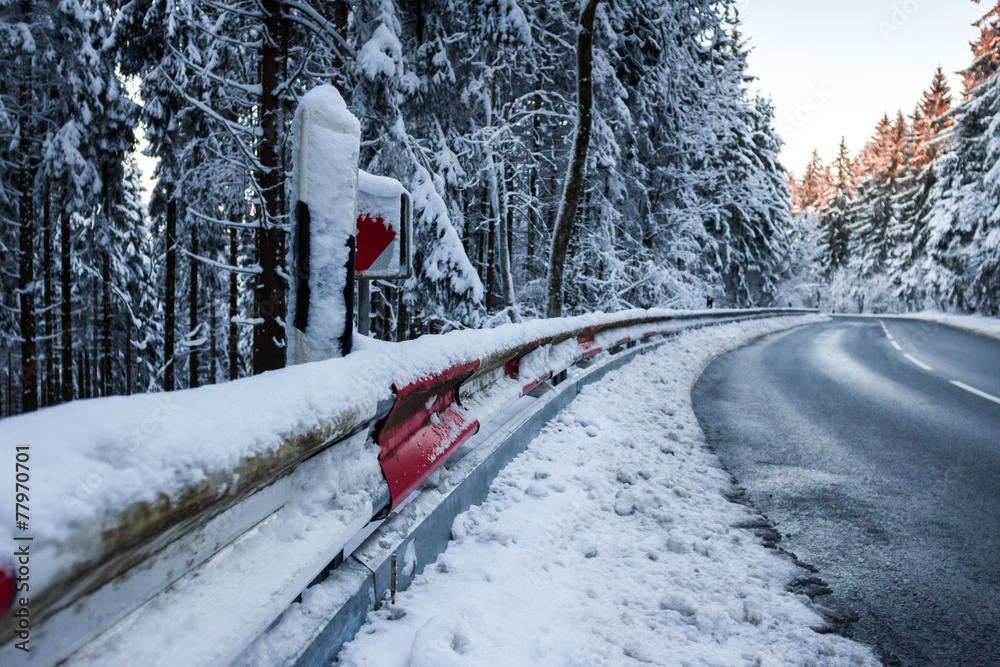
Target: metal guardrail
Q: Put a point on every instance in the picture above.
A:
(137, 555)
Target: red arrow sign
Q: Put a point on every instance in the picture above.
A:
(374, 236)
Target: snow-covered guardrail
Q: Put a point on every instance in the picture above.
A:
(139, 502)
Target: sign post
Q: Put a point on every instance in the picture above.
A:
(384, 244)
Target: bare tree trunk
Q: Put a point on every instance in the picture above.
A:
(26, 239)
(10, 384)
(507, 246)
(498, 219)
(84, 374)
(169, 302)
(213, 368)
(491, 261)
(66, 294)
(340, 15)
(193, 380)
(233, 310)
(269, 294)
(418, 13)
(94, 379)
(574, 183)
(129, 382)
(107, 383)
(534, 199)
(481, 236)
(49, 389)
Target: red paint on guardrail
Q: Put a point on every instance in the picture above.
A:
(586, 341)
(512, 368)
(426, 424)
(6, 588)
(531, 385)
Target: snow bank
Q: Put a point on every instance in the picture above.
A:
(610, 542)
(977, 324)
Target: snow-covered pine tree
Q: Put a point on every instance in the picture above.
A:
(835, 221)
(960, 217)
(445, 292)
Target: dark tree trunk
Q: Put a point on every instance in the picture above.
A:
(49, 389)
(573, 187)
(418, 14)
(213, 368)
(532, 215)
(491, 251)
(66, 294)
(466, 226)
(193, 380)
(269, 295)
(129, 382)
(169, 301)
(84, 374)
(508, 209)
(233, 309)
(10, 384)
(481, 236)
(94, 379)
(26, 277)
(340, 15)
(107, 382)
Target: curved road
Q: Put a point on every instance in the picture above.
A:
(873, 446)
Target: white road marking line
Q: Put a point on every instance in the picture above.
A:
(973, 390)
(918, 362)
(896, 345)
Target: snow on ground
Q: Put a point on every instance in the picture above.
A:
(978, 324)
(610, 542)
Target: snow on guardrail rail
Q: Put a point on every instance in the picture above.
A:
(140, 491)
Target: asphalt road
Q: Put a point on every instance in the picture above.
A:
(879, 470)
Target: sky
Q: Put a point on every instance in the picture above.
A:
(834, 67)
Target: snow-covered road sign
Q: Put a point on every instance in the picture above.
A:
(384, 244)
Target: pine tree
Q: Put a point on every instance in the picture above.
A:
(835, 221)
(814, 186)
(985, 50)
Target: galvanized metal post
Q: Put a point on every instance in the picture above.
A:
(364, 306)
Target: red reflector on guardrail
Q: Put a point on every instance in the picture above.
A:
(425, 426)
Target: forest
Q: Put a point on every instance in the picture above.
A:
(912, 221)
(473, 106)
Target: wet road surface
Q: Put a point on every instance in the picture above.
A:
(873, 446)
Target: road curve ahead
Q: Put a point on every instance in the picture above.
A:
(873, 446)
